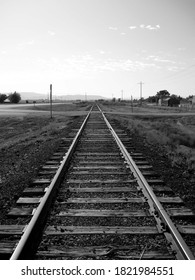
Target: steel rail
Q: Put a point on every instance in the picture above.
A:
(184, 250)
(25, 246)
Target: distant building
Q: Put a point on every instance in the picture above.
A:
(188, 102)
(7, 100)
(172, 101)
(192, 101)
(164, 101)
(184, 103)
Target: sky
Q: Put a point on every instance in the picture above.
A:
(104, 47)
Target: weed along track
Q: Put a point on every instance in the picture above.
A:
(98, 198)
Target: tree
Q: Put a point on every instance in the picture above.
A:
(162, 94)
(174, 100)
(3, 97)
(151, 99)
(14, 97)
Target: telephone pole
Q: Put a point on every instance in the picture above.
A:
(51, 100)
(132, 103)
(122, 94)
(140, 92)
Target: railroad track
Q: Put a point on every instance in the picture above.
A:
(97, 198)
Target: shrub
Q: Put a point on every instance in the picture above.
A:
(3, 97)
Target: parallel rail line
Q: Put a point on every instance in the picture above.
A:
(95, 199)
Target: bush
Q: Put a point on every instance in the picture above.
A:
(3, 97)
(14, 97)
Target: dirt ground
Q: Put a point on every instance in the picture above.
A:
(29, 137)
(27, 140)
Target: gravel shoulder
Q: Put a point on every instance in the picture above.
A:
(26, 142)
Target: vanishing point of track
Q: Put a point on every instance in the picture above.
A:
(96, 198)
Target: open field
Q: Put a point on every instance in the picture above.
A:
(172, 130)
(128, 108)
(23, 122)
(69, 109)
(169, 137)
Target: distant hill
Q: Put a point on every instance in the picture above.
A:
(38, 96)
(32, 96)
(80, 97)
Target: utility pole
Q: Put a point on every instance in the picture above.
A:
(122, 94)
(51, 101)
(132, 103)
(140, 92)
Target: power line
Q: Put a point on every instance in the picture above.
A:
(51, 100)
(189, 71)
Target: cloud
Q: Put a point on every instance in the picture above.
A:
(175, 68)
(51, 33)
(164, 60)
(149, 27)
(181, 49)
(88, 63)
(102, 52)
(133, 27)
(113, 28)
(3, 52)
(159, 59)
(143, 26)
(25, 44)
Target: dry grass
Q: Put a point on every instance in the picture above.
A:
(176, 135)
(170, 128)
